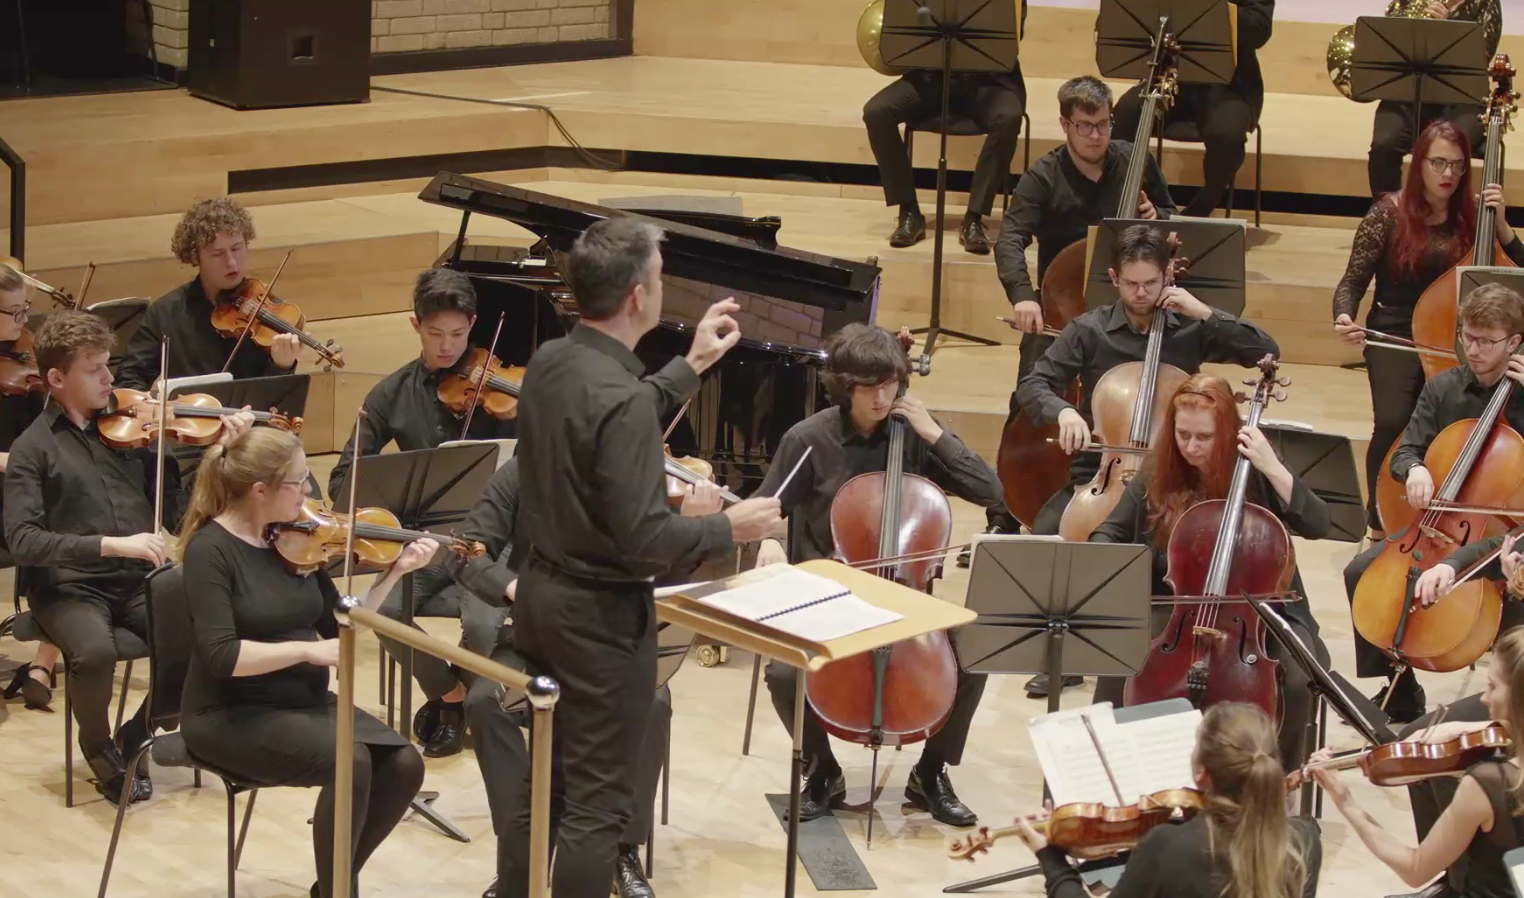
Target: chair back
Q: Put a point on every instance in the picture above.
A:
(171, 640)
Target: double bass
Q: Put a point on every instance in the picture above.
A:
(1031, 465)
(1214, 650)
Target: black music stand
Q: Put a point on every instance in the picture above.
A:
(1417, 61)
(285, 393)
(124, 316)
(1062, 608)
(427, 489)
(1215, 249)
(1125, 31)
(1326, 463)
(948, 36)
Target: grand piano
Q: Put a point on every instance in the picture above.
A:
(791, 303)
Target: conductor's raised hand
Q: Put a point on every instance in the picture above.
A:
(715, 334)
(752, 519)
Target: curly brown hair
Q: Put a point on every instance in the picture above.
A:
(201, 223)
(59, 341)
(862, 355)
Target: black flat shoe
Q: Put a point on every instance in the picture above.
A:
(449, 735)
(911, 230)
(936, 795)
(972, 236)
(819, 795)
(629, 875)
(1037, 687)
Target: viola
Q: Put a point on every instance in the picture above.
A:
(687, 472)
(254, 313)
(1404, 763)
(1089, 831)
(319, 536)
(484, 382)
(131, 420)
(1434, 317)
(1214, 651)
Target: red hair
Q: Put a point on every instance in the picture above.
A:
(1413, 232)
(1175, 484)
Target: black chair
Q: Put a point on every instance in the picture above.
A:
(170, 642)
(963, 126)
(1185, 131)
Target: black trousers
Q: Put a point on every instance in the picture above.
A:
(1396, 379)
(944, 747)
(436, 595)
(994, 108)
(1223, 116)
(1297, 704)
(82, 624)
(1392, 138)
(598, 641)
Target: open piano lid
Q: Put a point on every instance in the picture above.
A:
(691, 253)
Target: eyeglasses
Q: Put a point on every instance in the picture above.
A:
(18, 315)
(1151, 286)
(299, 483)
(1439, 166)
(1090, 129)
(1471, 342)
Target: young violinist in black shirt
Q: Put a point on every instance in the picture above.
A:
(214, 236)
(594, 499)
(1491, 324)
(1241, 844)
(866, 368)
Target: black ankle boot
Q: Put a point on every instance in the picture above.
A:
(629, 875)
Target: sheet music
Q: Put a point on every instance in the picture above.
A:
(1145, 756)
(801, 604)
(841, 616)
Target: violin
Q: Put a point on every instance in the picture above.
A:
(1214, 651)
(319, 535)
(131, 419)
(1404, 763)
(254, 313)
(687, 472)
(1128, 406)
(485, 382)
(62, 299)
(1089, 831)
(1434, 317)
(19, 375)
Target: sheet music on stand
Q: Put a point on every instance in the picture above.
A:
(1145, 755)
(796, 602)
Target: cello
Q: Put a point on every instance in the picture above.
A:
(1477, 462)
(1434, 317)
(1214, 651)
(903, 693)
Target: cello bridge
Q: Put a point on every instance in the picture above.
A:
(1432, 533)
(1209, 632)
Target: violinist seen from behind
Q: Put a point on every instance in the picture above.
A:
(866, 370)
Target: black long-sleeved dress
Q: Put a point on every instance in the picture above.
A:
(276, 728)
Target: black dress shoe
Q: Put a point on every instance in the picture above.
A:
(128, 740)
(426, 720)
(972, 236)
(911, 230)
(935, 794)
(1439, 888)
(491, 890)
(1037, 687)
(449, 734)
(110, 773)
(820, 793)
(629, 876)
(1407, 703)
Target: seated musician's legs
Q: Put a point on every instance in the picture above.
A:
(929, 787)
(1224, 117)
(501, 753)
(825, 784)
(997, 110)
(883, 114)
(629, 875)
(998, 518)
(1297, 703)
(440, 722)
(1396, 379)
(1391, 138)
(1407, 698)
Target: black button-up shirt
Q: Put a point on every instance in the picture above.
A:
(64, 490)
(1454, 395)
(1056, 203)
(493, 522)
(838, 453)
(592, 481)
(405, 407)
(184, 314)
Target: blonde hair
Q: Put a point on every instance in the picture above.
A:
(227, 473)
(1508, 655)
(201, 223)
(1246, 803)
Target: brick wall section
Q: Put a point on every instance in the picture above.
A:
(399, 26)
(171, 33)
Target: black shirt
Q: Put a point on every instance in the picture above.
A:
(1056, 203)
(1451, 396)
(592, 483)
(184, 314)
(405, 407)
(838, 453)
(64, 490)
(493, 522)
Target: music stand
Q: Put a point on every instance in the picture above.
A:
(948, 36)
(1326, 463)
(1214, 247)
(427, 489)
(123, 315)
(286, 393)
(1418, 60)
(1206, 30)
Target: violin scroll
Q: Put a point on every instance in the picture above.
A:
(971, 845)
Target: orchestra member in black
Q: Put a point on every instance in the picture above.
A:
(1193, 461)
(1242, 843)
(995, 101)
(1492, 320)
(80, 516)
(1223, 114)
(1464, 847)
(866, 368)
(1392, 130)
(256, 699)
(594, 500)
(1057, 200)
(214, 236)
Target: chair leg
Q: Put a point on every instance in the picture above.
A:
(121, 702)
(650, 849)
(121, 814)
(751, 705)
(1259, 154)
(196, 777)
(68, 749)
(232, 849)
(381, 675)
(243, 829)
(666, 777)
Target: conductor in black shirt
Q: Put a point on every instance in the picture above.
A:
(593, 493)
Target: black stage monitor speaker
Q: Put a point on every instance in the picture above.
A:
(252, 54)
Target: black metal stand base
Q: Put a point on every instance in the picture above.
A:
(423, 806)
